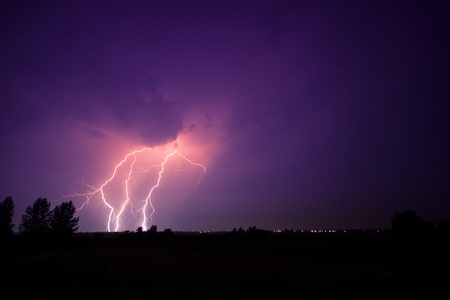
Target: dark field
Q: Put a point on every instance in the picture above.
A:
(298, 266)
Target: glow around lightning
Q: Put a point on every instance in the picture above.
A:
(147, 209)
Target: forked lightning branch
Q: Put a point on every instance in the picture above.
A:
(129, 166)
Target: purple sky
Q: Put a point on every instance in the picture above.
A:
(306, 114)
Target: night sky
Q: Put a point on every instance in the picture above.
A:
(306, 114)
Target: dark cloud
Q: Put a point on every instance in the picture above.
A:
(133, 108)
(95, 133)
(141, 109)
(68, 65)
(208, 120)
(316, 108)
(190, 128)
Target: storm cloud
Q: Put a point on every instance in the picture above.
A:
(306, 113)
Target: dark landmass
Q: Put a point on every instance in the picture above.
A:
(255, 264)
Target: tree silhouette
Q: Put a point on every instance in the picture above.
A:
(408, 223)
(62, 219)
(167, 232)
(6, 215)
(153, 228)
(152, 231)
(36, 218)
(444, 227)
(256, 232)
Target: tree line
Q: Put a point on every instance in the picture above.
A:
(409, 223)
(38, 219)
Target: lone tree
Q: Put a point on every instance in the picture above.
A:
(62, 219)
(36, 218)
(6, 215)
(408, 223)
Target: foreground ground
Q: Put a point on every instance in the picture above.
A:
(301, 266)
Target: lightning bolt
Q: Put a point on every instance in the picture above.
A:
(115, 215)
(127, 200)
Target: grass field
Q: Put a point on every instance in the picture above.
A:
(302, 266)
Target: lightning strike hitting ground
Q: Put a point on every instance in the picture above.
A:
(147, 210)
